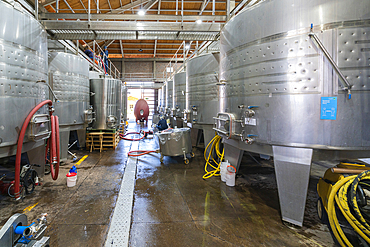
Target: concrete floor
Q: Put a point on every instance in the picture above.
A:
(173, 205)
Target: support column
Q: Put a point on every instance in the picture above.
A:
(154, 70)
(292, 169)
(123, 69)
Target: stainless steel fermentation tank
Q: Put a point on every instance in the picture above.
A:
(23, 78)
(179, 81)
(105, 97)
(280, 96)
(169, 98)
(202, 105)
(162, 109)
(69, 79)
(124, 104)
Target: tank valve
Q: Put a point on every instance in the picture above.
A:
(249, 113)
(250, 139)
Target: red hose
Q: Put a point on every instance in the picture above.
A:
(140, 152)
(133, 139)
(55, 148)
(20, 145)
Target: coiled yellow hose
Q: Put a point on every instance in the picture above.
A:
(339, 196)
(214, 147)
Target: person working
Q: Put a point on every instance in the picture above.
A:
(89, 53)
(104, 55)
(162, 124)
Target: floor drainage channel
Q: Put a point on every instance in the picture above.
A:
(119, 230)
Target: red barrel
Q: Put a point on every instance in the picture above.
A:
(141, 110)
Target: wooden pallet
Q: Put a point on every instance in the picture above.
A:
(121, 129)
(101, 140)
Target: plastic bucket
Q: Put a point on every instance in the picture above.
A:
(230, 175)
(223, 169)
(71, 179)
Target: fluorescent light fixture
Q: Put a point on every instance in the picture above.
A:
(139, 24)
(141, 12)
(198, 21)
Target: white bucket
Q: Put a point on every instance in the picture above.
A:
(223, 169)
(71, 181)
(230, 175)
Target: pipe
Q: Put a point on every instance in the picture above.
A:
(347, 87)
(349, 171)
(20, 145)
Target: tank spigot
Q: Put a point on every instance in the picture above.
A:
(250, 139)
(51, 109)
(249, 113)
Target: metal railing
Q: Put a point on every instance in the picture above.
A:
(99, 57)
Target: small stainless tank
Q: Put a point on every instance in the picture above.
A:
(175, 142)
(23, 78)
(106, 101)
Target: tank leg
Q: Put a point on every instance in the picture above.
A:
(82, 137)
(233, 155)
(208, 134)
(37, 156)
(64, 139)
(292, 169)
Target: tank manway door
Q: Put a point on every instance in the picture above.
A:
(39, 127)
(225, 124)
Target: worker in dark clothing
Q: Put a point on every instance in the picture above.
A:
(89, 53)
(104, 55)
(162, 124)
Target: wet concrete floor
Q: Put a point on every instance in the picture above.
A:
(173, 205)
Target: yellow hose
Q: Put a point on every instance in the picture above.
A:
(339, 196)
(215, 146)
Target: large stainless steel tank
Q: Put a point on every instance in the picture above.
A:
(164, 98)
(169, 97)
(281, 94)
(106, 101)
(124, 103)
(179, 81)
(23, 78)
(202, 79)
(69, 79)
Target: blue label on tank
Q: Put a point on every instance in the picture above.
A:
(328, 108)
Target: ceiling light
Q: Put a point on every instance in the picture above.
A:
(198, 21)
(187, 46)
(140, 49)
(141, 12)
